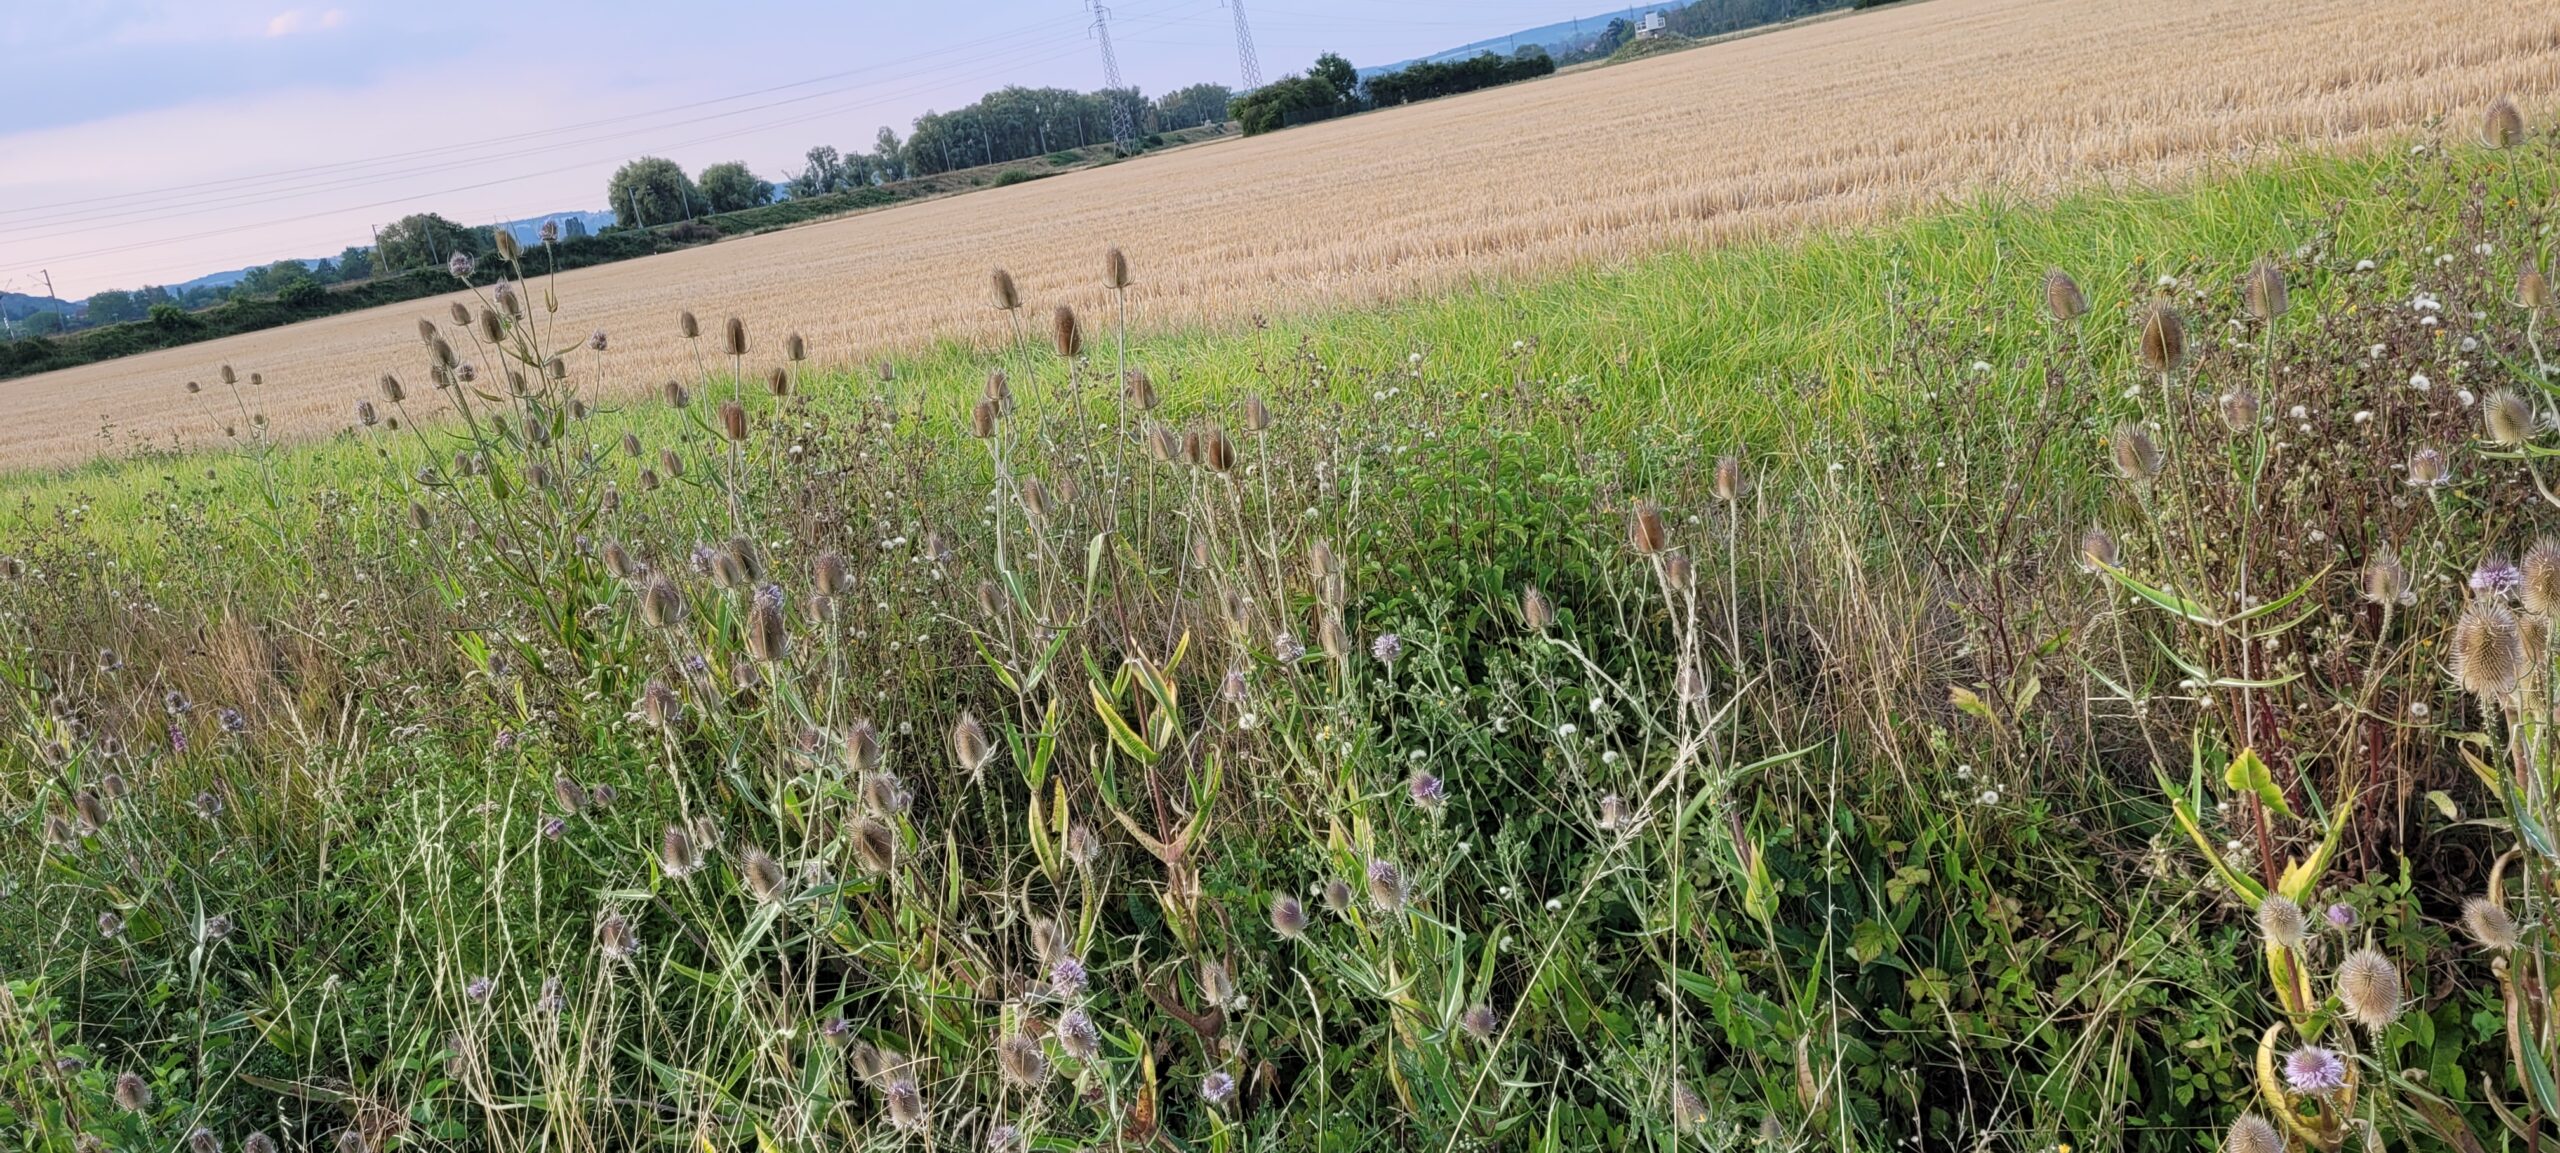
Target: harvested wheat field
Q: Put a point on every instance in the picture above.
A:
(1824, 124)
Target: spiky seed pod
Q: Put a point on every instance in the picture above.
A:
(392, 393)
(1688, 1110)
(1008, 298)
(828, 575)
(1065, 333)
(2250, 1133)
(354, 1140)
(1163, 443)
(1257, 415)
(1731, 481)
(616, 937)
(228, 376)
(1217, 454)
(687, 326)
(508, 301)
(2137, 455)
(982, 420)
(461, 315)
(2062, 297)
(442, 353)
(1019, 1058)
(1479, 1021)
(1191, 446)
(2263, 292)
(1337, 895)
(258, 1143)
(1535, 610)
(777, 381)
(794, 348)
(2163, 344)
(905, 1103)
(2368, 986)
(1000, 391)
(1077, 1035)
(2428, 468)
(571, 795)
(2488, 648)
(870, 1063)
(875, 844)
(1386, 885)
(661, 603)
(1035, 497)
(671, 461)
(2503, 125)
(675, 395)
(133, 1094)
(2238, 409)
(426, 335)
(91, 807)
(660, 705)
(2533, 288)
(2489, 924)
(969, 746)
(761, 874)
(648, 480)
(1084, 846)
(1646, 531)
(733, 420)
(1139, 390)
(1115, 270)
(733, 336)
(2541, 565)
(194, 388)
(365, 414)
(2385, 580)
(862, 747)
(2281, 923)
(768, 634)
(2507, 417)
(677, 854)
(1216, 986)
(493, 328)
(508, 247)
(1331, 637)
(1288, 917)
(884, 794)
(2098, 550)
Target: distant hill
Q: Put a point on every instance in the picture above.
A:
(529, 229)
(1555, 38)
(19, 305)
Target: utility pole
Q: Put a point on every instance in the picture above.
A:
(1248, 64)
(1123, 133)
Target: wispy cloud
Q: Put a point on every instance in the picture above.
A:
(293, 21)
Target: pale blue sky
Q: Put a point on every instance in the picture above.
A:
(148, 141)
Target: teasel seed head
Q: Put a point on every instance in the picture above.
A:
(2385, 580)
(1035, 497)
(2368, 986)
(92, 809)
(768, 634)
(1021, 1061)
(1000, 390)
(2281, 923)
(571, 795)
(1615, 813)
(2263, 291)
(660, 705)
(132, 1093)
(2503, 126)
(616, 937)
(2250, 1133)
(1066, 333)
(1688, 1110)
(2163, 344)
(1646, 531)
(2062, 297)
(1731, 481)
(661, 603)
(777, 381)
(905, 1103)
(202, 1140)
(1163, 442)
(969, 747)
(1008, 298)
(671, 461)
(2489, 924)
(761, 874)
(461, 318)
(493, 328)
(2488, 648)
(2428, 468)
(884, 794)
(442, 353)
(1084, 846)
(1479, 1021)
(194, 388)
(1679, 573)
(2541, 590)
(1288, 917)
(508, 247)
(1330, 635)
(258, 1143)
(1217, 454)
(1115, 270)
(982, 420)
(678, 856)
(828, 575)
(1139, 390)
(2508, 417)
(2238, 409)
(229, 376)
(875, 844)
(1386, 885)
(508, 301)
(365, 415)
(1077, 1035)
(2137, 455)
(2098, 550)
(1337, 895)
(733, 337)
(2533, 287)
(862, 747)
(733, 420)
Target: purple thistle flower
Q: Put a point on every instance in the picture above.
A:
(177, 738)
(1428, 791)
(553, 828)
(1387, 648)
(1217, 1087)
(2496, 575)
(2341, 915)
(2312, 1069)
(480, 988)
(232, 721)
(1067, 977)
(459, 266)
(835, 1028)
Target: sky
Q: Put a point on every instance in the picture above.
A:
(152, 141)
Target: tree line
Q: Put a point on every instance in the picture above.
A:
(1333, 86)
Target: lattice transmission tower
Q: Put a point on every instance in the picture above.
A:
(1123, 132)
(1248, 64)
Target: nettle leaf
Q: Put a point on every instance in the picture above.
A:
(2248, 774)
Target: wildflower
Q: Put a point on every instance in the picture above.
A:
(2488, 648)
(2280, 922)
(459, 266)
(1067, 977)
(2137, 455)
(2062, 297)
(1077, 1036)
(2251, 1133)
(110, 923)
(2340, 915)
(1386, 885)
(1428, 791)
(1019, 1058)
(2312, 1069)
(1479, 1021)
(1288, 917)
(2368, 985)
(2429, 469)
(1217, 1087)
(1387, 648)
(479, 989)
(761, 874)
(2489, 924)
(132, 1093)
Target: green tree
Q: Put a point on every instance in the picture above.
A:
(653, 190)
(573, 228)
(425, 241)
(824, 173)
(1193, 106)
(114, 306)
(1338, 74)
(730, 187)
(355, 264)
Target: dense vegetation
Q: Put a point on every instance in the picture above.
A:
(1830, 694)
(1334, 88)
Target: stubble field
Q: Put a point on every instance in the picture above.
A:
(1824, 124)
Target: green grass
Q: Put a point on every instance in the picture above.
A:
(1839, 821)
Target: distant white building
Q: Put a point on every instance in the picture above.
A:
(1655, 24)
